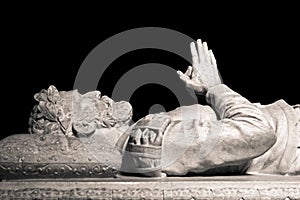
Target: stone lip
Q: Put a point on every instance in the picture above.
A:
(26, 156)
(217, 187)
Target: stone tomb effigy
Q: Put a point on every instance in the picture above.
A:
(76, 148)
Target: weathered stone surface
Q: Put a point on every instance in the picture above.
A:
(247, 187)
(25, 156)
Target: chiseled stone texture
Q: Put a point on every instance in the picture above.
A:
(25, 156)
(231, 187)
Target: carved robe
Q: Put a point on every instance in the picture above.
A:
(232, 136)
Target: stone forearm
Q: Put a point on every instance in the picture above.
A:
(241, 134)
(245, 132)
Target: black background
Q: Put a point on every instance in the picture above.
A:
(257, 54)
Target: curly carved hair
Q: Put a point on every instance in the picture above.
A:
(70, 113)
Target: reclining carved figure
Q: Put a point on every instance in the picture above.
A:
(231, 136)
(93, 134)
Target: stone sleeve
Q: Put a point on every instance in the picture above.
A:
(240, 134)
(244, 134)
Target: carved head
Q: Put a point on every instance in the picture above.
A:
(72, 113)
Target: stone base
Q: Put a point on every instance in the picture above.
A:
(217, 187)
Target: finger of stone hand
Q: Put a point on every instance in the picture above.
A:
(144, 138)
(180, 73)
(195, 57)
(205, 50)
(212, 58)
(137, 137)
(214, 64)
(200, 50)
(189, 71)
(182, 76)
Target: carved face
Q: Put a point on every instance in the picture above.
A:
(72, 113)
(114, 114)
(92, 111)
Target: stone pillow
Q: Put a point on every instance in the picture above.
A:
(33, 156)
